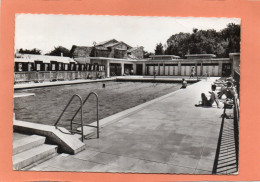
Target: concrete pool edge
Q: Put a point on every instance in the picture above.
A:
(156, 79)
(58, 83)
(88, 131)
(118, 78)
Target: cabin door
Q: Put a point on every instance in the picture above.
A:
(226, 69)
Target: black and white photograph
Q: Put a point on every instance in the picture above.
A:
(126, 94)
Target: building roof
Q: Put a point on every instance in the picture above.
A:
(44, 58)
(128, 46)
(158, 56)
(113, 43)
(120, 49)
(23, 60)
(113, 59)
(104, 42)
(234, 54)
(101, 48)
(200, 55)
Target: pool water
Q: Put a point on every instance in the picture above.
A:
(48, 103)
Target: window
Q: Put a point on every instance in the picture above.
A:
(53, 67)
(20, 67)
(38, 67)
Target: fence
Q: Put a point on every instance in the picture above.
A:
(45, 76)
(237, 82)
(236, 128)
(236, 113)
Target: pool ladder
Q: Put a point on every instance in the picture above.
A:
(81, 115)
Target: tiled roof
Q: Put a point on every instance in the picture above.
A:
(114, 43)
(104, 42)
(111, 45)
(101, 48)
(121, 49)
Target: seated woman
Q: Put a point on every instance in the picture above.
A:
(208, 102)
(184, 83)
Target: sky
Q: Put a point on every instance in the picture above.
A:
(45, 32)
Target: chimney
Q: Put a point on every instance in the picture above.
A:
(61, 54)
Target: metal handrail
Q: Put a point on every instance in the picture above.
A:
(215, 165)
(81, 115)
(236, 129)
(97, 106)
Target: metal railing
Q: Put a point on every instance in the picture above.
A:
(236, 113)
(237, 82)
(236, 129)
(97, 107)
(216, 160)
(235, 107)
(81, 116)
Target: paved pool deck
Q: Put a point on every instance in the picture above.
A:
(170, 135)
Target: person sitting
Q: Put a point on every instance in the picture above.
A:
(227, 90)
(213, 98)
(184, 83)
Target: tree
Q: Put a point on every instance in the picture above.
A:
(159, 49)
(147, 54)
(178, 44)
(231, 34)
(58, 51)
(205, 42)
(32, 51)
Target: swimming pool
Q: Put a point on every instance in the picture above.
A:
(47, 104)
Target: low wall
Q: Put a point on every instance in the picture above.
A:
(45, 76)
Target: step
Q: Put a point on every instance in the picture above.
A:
(29, 167)
(67, 143)
(18, 136)
(27, 143)
(31, 156)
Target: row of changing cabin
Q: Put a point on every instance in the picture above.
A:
(38, 68)
(165, 65)
(202, 64)
(185, 70)
(59, 64)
